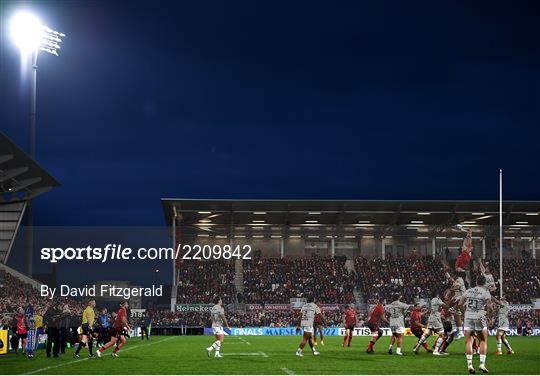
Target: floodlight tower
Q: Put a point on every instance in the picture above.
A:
(31, 36)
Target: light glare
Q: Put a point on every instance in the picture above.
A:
(26, 31)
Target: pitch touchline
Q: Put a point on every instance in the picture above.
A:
(287, 371)
(82, 360)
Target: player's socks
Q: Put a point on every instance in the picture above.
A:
(344, 340)
(79, 346)
(398, 351)
(349, 341)
(507, 344)
(499, 346)
(438, 344)
(91, 348)
(469, 360)
(425, 346)
(116, 350)
(482, 360)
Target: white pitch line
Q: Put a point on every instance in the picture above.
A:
(82, 360)
(287, 371)
(243, 340)
(260, 353)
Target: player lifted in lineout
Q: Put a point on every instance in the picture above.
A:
(476, 301)
(120, 329)
(396, 310)
(307, 316)
(376, 319)
(435, 325)
(350, 320)
(217, 313)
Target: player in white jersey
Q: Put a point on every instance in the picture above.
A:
(435, 325)
(476, 300)
(458, 288)
(502, 327)
(307, 316)
(217, 314)
(485, 270)
(396, 310)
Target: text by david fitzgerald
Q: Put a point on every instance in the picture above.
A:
(99, 291)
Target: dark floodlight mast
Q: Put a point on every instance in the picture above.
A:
(31, 36)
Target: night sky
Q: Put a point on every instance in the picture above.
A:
(226, 99)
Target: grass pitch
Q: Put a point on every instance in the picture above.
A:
(273, 355)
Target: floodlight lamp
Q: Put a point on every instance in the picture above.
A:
(30, 35)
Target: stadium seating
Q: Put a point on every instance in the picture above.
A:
(200, 281)
(273, 280)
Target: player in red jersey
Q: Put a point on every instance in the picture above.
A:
(120, 329)
(415, 321)
(318, 326)
(376, 318)
(350, 320)
(462, 261)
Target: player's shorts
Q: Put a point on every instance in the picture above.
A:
(397, 329)
(475, 324)
(86, 330)
(418, 332)
(374, 328)
(218, 330)
(118, 332)
(350, 328)
(317, 324)
(503, 328)
(22, 335)
(447, 325)
(435, 325)
(307, 329)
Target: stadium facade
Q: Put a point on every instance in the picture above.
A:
(332, 228)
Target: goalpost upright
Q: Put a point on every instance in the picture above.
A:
(500, 235)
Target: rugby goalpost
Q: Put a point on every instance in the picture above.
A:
(500, 234)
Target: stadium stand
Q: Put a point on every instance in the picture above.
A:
(272, 280)
(201, 280)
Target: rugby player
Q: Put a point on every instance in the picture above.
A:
(435, 325)
(417, 328)
(486, 272)
(318, 327)
(450, 327)
(476, 300)
(376, 318)
(87, 325)
(350, 320)
(120, 329)
(457, 289)
(307, 316)
(462, 261)
(217, 313)
(396, 310)
(502, 327)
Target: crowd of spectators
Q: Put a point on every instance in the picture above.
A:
(15, 294)
(412, 278)
(200, 281)
(521, 281)
(274, 280)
